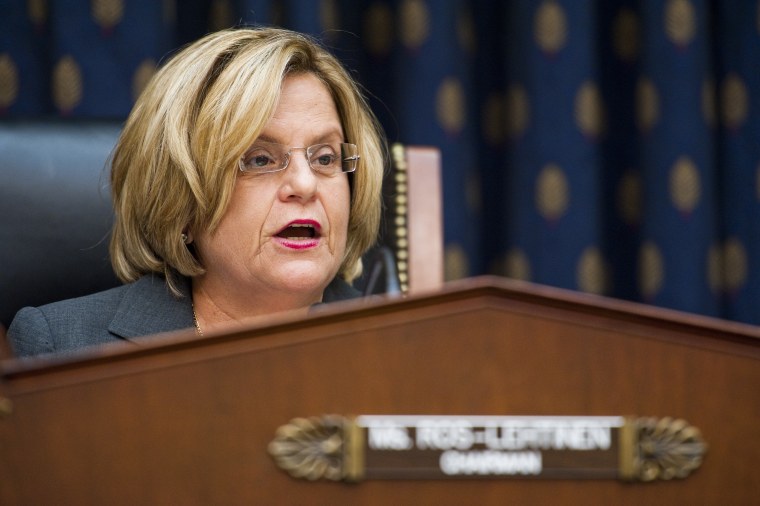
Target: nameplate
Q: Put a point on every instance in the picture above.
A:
(487, 447)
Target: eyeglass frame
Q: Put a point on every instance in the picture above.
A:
(287, 155)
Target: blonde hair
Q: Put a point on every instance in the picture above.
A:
(175, 164)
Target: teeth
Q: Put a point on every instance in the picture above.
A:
(301, 225)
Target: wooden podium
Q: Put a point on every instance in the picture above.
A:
(186, 421)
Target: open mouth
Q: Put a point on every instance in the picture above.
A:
(299, 231)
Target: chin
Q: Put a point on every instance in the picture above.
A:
(305, 278)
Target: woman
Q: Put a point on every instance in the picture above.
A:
(246, 181)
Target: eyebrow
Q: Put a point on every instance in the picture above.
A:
(332, 135)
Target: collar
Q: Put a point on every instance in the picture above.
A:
(148, 307)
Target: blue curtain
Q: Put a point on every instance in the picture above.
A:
(610, 147)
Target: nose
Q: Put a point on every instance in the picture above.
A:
(299, 181)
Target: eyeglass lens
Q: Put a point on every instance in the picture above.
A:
(328, 159)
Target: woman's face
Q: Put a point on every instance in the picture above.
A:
(284, 233)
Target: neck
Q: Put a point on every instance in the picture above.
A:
(218, 310)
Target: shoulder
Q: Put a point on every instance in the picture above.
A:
(65, 325)
(129, 311)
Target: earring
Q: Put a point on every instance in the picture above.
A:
(184, 238)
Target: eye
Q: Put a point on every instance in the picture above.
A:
(323, 156)
(260, 159)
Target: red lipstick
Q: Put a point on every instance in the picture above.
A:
(299, 234)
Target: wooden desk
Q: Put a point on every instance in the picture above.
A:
(188, 421)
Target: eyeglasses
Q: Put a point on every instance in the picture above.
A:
(325, 159)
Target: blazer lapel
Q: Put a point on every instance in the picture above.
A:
(148, 307)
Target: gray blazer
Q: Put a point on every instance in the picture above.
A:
(127, 312)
